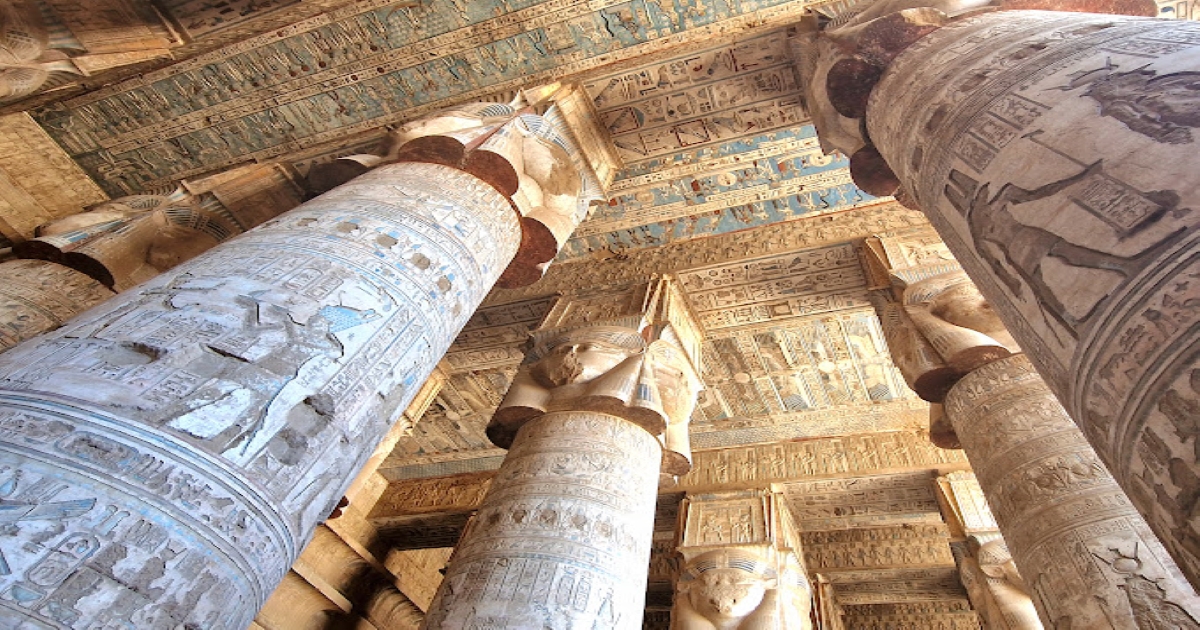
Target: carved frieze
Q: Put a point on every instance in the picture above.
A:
(756, 465)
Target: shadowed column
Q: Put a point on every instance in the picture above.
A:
(1051, 151)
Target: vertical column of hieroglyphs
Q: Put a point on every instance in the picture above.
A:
(172, 450)
(563, 537)
(1050, 151)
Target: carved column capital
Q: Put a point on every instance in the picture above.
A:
(743, 566)
(630, 355)
(131, 239)
(529, 157)
(942, 329)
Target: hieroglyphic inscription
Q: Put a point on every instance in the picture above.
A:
(789, 461)
(263, 374)
(1071, 530)
(954, 614)
(38, 180)
(857, 501)
(905, 546)
(1102, 301)
(701, 98)
(775, 239)
(571, 509)
(719, 520)
(798, 365)
(324, 78)
(730, 186)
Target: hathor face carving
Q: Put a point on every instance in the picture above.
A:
(577, 362)
(727, 593)
(963, 305)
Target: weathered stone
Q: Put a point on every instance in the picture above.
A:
(1088, 558)
(131, 239)
(743, 567)
(996, 588)
(231, 399)
(36, 296)
(1041, 146)
(563, 537)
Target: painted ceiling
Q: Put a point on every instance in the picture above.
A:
(712, 138)
(714, 141)
(357, 68)
(792, 349)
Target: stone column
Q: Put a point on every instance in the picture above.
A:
(1085, 553)
(80, 260)
(164, 457)
(1052, 152)
(36, 296)
(995, 587)
(1088, 558)
(563, 537)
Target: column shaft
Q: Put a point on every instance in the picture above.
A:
(1052, 152)
(165, 457)
(563, 538)
(36, 296)
(1081, 547)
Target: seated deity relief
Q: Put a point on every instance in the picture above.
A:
(943, 330)
(999, 594)
(519, 153)
(611, 370)
(738, 589)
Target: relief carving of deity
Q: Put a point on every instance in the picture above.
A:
(943, 330)
(608, 369)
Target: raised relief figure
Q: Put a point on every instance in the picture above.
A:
(738, 590)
